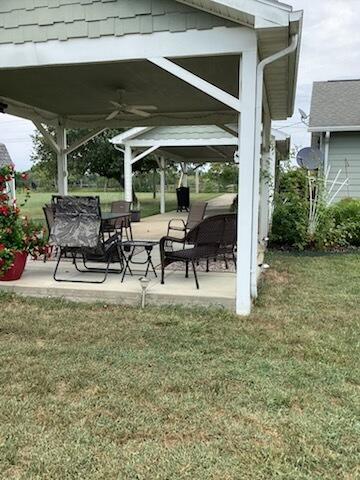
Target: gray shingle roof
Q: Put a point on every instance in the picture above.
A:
(335, 104)
(4, 156)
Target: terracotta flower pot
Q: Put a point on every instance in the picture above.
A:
(15, 272)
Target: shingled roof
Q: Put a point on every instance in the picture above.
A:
(5, 158)
(335, 106)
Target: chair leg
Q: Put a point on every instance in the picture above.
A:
(195, 274)
(187, 270)
(162, 274)
(226, 262)
(207, 265)
(57, 265)
(234, 260)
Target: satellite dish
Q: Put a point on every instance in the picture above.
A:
(309, 158)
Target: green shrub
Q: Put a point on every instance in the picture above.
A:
(346, 215)
(290, 220)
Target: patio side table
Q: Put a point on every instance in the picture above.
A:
(128, 249)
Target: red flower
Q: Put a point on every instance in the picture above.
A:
(4, 210)
(2, 247)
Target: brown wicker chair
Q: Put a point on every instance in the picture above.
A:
(213, 238)
(196, 215)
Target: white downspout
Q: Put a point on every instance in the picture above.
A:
(256, 178)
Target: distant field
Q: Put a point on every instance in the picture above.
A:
(149, 206)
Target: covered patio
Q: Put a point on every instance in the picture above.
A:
(120, 64)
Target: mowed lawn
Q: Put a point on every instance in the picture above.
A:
(105, 392)
(148, 205)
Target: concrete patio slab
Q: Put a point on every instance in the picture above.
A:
(216, 289)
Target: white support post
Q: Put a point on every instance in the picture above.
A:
(62, 174)
(197, 182)
(128, 186)
(162, 185)
(264, 197)
(185, 179)
(248, 67)
(272, 173)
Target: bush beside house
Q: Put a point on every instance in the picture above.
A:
(338, 226)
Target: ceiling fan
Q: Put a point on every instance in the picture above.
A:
(123, 108)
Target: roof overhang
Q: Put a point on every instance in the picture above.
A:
(189, 144)
(340, 128)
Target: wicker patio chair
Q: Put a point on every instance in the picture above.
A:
(213, 238)
(77, 232)
(196, 215)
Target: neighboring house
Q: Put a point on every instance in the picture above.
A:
(335, 127)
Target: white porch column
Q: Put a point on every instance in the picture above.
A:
(197, 182)
(265, 186)
(162, 185)
(272, 173)
(248, 66)
(128, 174)
(185, 176)
(11, 190)
(62, 173)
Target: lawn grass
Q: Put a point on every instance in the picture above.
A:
(149, 206)
(105, 392)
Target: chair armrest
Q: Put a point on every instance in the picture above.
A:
(166, 239)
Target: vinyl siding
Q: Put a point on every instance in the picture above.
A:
(24, 21)
(344, 155)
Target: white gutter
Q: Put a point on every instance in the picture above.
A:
(256, 177)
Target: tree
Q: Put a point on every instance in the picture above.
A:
(98, 156)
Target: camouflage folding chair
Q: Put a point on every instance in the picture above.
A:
(76, 231)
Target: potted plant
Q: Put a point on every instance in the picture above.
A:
(19, 236)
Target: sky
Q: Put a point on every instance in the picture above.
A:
(330, 51)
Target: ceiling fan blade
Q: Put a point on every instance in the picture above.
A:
(113, 115)
(116, 104)
(151, 108)
(139, 113)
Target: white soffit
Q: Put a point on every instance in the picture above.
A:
(253, 13)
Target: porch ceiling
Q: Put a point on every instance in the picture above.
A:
(202, 154)
(81, 94)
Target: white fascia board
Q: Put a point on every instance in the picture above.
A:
(192, 43)
(277, 14)
(124, 137)
(199, 142)
(346, 128)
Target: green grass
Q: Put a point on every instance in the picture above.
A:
(149, 206)
(105, 392)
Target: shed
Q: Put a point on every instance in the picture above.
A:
(335, 127)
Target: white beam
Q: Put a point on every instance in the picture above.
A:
(84, 140)
(191, 43)
(179, 142)
(144, 154)
(62, 160)
(197, 82)
(248, 67)
(48, 137)
(128, 174)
